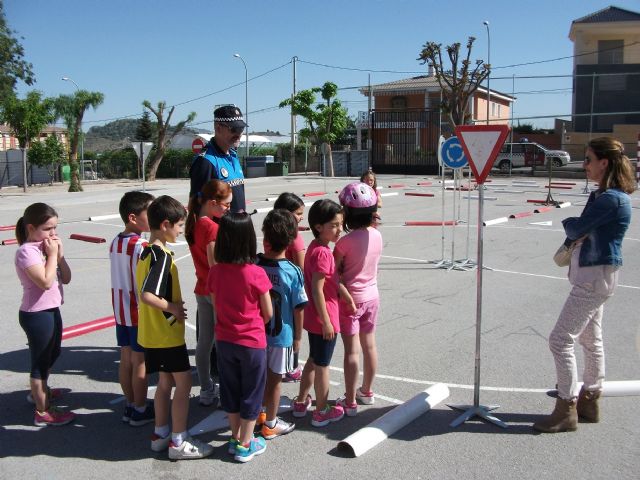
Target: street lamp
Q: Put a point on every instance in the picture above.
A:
(67, 79)
(486, 24)
(246, 104)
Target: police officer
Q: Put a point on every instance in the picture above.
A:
(218, 159)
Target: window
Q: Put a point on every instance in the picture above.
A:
(495, 109)
(610, 52)
(609, 83)
(399, 103)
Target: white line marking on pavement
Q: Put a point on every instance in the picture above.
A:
(553, 277)
(389, 399)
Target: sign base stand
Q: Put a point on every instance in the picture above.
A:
(480, 411)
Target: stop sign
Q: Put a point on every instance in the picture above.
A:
(197, 145)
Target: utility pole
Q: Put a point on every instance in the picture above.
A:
(293, 116)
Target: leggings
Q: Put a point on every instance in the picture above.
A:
(206, 319)
(44, 333)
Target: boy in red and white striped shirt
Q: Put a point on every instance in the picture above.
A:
(124, 254)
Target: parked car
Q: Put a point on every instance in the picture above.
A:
(527, 154)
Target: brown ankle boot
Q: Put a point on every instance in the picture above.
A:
(588, 409)
(564, 418)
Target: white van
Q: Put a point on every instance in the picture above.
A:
(527, 154)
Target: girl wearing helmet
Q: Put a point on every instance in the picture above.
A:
(357, 255)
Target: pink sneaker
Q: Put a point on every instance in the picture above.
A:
(300, 408)
(293, 376)
(366, 398)
(350, 409)
(53, 416)
(322, 418)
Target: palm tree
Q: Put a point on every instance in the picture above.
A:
(71, 109)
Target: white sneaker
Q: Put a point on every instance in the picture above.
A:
(366, 398)
(189, 449)
(158, 443)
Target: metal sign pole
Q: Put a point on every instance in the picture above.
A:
(143, 175)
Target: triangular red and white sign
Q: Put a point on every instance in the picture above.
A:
(481, 145)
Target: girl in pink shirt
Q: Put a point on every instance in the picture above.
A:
(321, 312)
(42, 269)
(357, 255)
(201, 230)
(240, 292)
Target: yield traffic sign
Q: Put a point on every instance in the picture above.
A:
(481, 144)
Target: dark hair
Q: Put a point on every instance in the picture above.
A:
(236, 241)
(366, 174)
(35, 214)
(212, 190)
(355, 218)
(321, 212)
(165, 208)
(134, 202)
(289, 201)
(619, 173)
(280, 229)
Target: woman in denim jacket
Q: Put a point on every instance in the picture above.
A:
(593, 272)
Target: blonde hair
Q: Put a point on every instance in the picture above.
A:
(619, 173)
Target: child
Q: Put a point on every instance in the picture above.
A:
(295, 253)
(240, 292)
(357, 255)
(161, 331)
(370, 179)
(42, 269)
(123, 255)
(321, 313)
(285, 327)
(201, 230)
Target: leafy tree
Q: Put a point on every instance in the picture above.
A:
(71, 109)
(12, 65)
(50, 154)
(325, 122)
(144, 131)
(165, 135)
(27, 117)
(458, 83)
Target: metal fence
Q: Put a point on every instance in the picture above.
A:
(405, 142)
(11, 171)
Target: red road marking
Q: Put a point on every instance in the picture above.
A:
(424, 184)
(313, 194)
(9, 241)
(396, 185)
(520, 215)
(558, 186)
(413, 194)
(543, 209)
(4, 228)
(536, 201)
(88, 327)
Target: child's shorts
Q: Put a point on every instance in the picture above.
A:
(168, 360)
(363, 320)
(243, 373)
(128, 337)
(321, 350)
(280, 359)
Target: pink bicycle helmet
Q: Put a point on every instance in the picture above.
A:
(359, 196)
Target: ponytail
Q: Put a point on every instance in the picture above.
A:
(35, 214)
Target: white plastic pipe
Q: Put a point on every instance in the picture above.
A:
(495, 221)
(98, 218)
(377, 431)
(622, 388)
(564, 205)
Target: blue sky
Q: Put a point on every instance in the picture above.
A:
(132, 50)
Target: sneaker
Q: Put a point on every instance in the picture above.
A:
(142, 418)
(257, 446)
(280, 428)
(262, 417)
(365, 398)
(231, 446)
(210, 397)
(300, 408)
(126, 415)
(350, 409)
(53, 416)
(293, 376)
(189, 449)
(158, 443)
(322, 418)
(54, 394)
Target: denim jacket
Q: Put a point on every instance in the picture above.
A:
(604, 221)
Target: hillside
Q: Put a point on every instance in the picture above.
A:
(117, 134)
